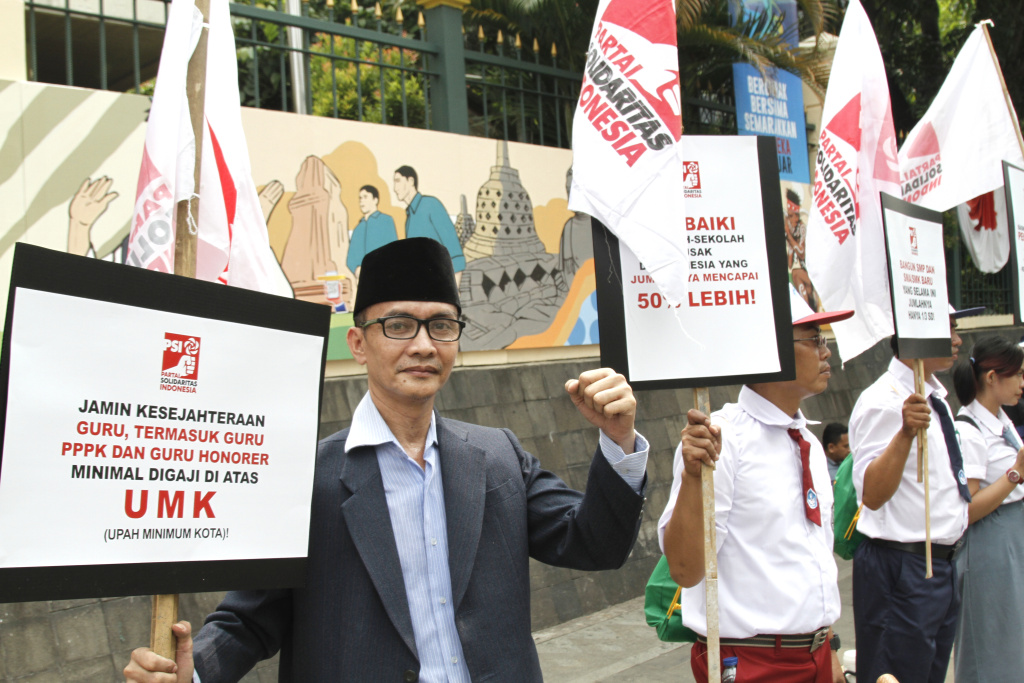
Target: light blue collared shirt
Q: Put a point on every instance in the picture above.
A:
(415, 499)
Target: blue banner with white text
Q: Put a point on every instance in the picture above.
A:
(774, 106)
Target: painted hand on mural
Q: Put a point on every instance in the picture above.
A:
(270, 195)
(85, 208)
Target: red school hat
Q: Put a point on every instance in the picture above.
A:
(803, 315)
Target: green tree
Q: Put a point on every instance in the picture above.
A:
(364, 76)
(919, 40)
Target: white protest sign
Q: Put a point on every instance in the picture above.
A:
(136, 435)
(917, 271)
(1014, 186)
(727, 329)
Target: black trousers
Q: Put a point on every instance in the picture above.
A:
(904, 623)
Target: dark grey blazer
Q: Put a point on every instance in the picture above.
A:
(351, 620)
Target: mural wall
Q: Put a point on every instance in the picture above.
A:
(331, 191)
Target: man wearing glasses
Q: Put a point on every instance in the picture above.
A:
(422, 527)
(777, 579)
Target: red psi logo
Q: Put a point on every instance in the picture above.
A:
(181, 356)
(691, 175)
(913, 240)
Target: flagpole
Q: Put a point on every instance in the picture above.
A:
(186, 234)
(922, 468)
(1002, 82)
(702, 401)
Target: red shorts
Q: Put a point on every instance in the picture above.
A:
(769, 665)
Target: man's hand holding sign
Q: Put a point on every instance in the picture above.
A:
(701, 447)
(147, 666)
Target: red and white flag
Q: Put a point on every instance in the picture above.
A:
(985, 228)
(627, 168)
(856, 161)
(233, 246)
(955, 151)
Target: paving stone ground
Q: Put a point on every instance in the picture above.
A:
(616, 645)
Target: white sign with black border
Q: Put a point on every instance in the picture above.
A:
(159, 432)
(915, 251)
(735, 326)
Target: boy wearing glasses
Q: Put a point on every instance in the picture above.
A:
(422, 527)
(777, 579)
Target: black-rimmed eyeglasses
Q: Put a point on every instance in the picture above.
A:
(407, 327)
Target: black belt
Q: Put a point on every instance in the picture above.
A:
(942, 552)
(803, 641)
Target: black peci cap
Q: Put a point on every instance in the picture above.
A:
(413, 269)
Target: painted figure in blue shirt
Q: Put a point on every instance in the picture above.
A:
(427, 217)
(375, 229)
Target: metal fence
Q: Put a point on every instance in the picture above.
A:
(352, 62)
(101, 44)
(709, 114)
(969, 287)
(511, 95)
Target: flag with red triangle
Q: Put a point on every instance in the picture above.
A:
(627, 168)
(955, 152)
(856, 161)
(233, 245)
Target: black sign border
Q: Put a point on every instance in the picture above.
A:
(911, 347)
(1012, 225)
(611, 308)
(56, 272)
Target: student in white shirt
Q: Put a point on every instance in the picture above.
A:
(778, 595)
(904, 622)
(990, 630)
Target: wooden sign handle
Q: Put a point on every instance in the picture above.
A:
(165, 615)
(922, 473)
(702, 401)
(922, 434)
(186, 239)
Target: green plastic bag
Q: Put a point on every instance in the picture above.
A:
(847, 512)
(661, 606)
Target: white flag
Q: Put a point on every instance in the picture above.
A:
(955, 152)
(985, 228)
(856, 161)
(233, 244)
(627, 169)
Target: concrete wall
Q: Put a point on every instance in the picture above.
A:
(89, 640)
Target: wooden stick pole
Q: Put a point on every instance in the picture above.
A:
(922, 468)
(919, 387)
(1002, 81)
(702, 401)
(186, 226)
(186, 238)
(165, 614)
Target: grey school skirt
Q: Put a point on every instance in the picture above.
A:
(989, 644)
